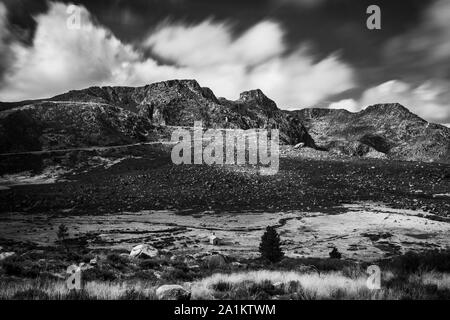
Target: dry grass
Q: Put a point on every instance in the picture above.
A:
(331, 285)
(261, 284)
(57, 290)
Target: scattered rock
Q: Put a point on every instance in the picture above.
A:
(143, 251)
(5, 255)
(172, 292)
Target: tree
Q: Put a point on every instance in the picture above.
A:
(63, 232)
(269, 247)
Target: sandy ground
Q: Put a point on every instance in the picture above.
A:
(365, 231)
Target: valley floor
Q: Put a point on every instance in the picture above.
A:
(372, 210)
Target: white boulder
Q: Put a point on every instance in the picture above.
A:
(172, 292)
(5, 255)
(143, 251)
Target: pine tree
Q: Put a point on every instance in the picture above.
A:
(270, 245)
(63, 232)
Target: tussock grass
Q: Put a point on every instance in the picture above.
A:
(257, 285)
(94, 290)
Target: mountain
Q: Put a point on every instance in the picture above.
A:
(100, 116)
(387, 128)
(60, 125)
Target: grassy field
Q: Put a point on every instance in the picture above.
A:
(39, 274)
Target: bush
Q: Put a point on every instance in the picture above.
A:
(438, 260)
(269, 247)
(99, 273)
(16, 266)
(63, 232)
(133, 294)
(222, 286)
(117, 260)
(335, 254)
(177, 275)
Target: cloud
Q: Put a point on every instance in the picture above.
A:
(6, 54)
(255, 59)
(301, 3)
(427, 46)
(62, 59)
(429, 100)
(347, 104)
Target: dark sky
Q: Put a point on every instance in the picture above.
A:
(400, 51)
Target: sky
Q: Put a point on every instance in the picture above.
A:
(300, 53)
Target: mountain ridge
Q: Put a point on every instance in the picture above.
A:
(131, 114)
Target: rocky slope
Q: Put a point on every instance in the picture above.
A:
(389, 129)
(100, 116)
(114, 115)
(60, 125)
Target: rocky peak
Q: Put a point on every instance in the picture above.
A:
(181, 87)
(395, 110)
(259, 98)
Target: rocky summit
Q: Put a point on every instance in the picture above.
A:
(384, 129)
(103, 116)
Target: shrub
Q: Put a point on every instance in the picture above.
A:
(133, 294)
(335, 254)
(117, 260)
(269, 247)
(177, 275)
(438, 260)
(63, 232)
(263, 290)
(16, 266)
(99, 273)
(222, 286)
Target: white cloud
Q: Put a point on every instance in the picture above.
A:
(5, 50)
(61, 59)
(427, 45)
(347, 104)
(430, 100)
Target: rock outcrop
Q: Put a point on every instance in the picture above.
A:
(390, 129)
(100, 116)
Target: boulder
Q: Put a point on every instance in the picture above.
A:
(143, 251)
(172, 292)
(279, 286)
(5, 255)
(216, 261)
(299, 145)
(195, 267)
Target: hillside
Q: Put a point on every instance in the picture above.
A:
(387, 128)
(100, 116)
